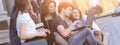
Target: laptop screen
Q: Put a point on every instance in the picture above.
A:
(90, 17)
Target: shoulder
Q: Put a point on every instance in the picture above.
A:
(23, 16)
(57, 18)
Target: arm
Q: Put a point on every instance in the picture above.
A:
(23, 34)
(65, 32)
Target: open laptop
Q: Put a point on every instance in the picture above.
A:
(89, 20)
(39, 25)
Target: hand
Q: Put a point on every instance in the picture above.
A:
(97, 32)
(41, 33)
(77, 22)
(47, 31)
(44, 30)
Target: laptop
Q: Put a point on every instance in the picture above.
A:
(89, 20)
(39, 25)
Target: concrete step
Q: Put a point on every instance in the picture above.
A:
(4, 36)
(4, 22)
(4, 17)
(3, 25)
(4, 29)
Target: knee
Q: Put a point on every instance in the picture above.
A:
(88, 30)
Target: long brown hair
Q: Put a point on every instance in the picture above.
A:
(79, 13)
(54, 13)
(23, 4)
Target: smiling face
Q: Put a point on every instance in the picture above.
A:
(75, 14)
(67, 11)
(51, 7)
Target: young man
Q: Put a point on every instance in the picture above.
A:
(64, 30)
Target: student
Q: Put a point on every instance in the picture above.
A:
(25, 25)
(50, 14)
(64, 30)
(77, 16)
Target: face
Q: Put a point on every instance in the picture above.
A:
(68, 11)
(75, 14)
(51, 7)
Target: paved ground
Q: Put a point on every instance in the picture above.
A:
(111, 28)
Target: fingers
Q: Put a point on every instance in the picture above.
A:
(44, 34)
(48, 31)
(77, 22)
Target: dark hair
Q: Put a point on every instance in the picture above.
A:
(22, 4)
(64, 5)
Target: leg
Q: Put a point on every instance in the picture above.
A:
(37, 42)
(91, 39)
(79, 38)
(59, 40)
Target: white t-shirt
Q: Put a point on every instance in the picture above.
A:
(25, 18)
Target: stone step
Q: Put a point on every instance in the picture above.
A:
(3, 25)
(4, 20)
(4, 36)
(3, 12)
(3, 16)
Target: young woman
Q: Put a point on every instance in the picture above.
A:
(77, 16)
(49, 15)
(25, 25)
(64, 30)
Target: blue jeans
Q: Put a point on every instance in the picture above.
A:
(79, 38)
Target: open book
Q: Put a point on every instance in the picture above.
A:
(39, 25)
